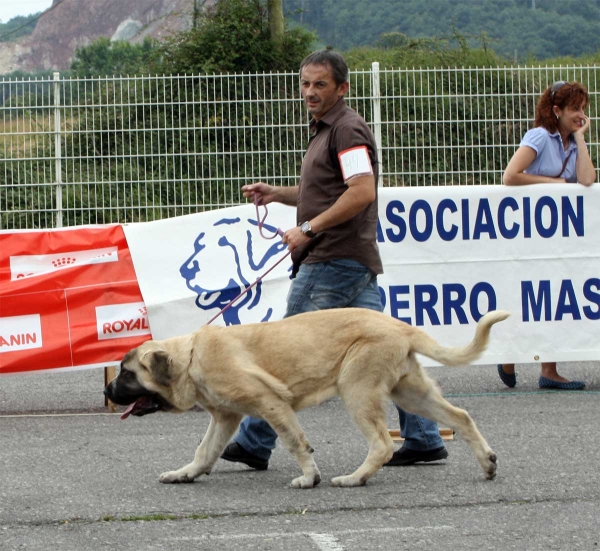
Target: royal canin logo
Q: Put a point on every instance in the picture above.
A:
(20, 333)
(117, 321)
(35, 265)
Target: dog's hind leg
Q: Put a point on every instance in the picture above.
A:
(220, 430)
(285, 423)
(367, 411)
(419, 394)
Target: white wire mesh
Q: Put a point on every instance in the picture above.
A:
(123, 149)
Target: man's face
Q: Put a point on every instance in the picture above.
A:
(319, 89)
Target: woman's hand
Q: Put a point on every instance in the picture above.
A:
(585, 125)
(586, 173)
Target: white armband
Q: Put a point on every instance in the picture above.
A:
(355, 162)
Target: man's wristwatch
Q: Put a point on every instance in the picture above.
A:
(305, 229)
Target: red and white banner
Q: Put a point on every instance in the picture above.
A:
(71, 298)
(68, 298)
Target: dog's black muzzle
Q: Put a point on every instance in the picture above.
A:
(140, 401)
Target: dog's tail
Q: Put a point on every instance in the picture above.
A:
(424, 344)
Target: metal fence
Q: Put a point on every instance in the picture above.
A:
(123, 149)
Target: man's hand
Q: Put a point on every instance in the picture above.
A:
(261, 193)
(265, 194)
(294, 237)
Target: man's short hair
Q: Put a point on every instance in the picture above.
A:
(334, 60)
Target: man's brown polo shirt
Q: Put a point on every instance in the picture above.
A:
(321, 184)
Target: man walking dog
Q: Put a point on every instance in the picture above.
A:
(334, 246)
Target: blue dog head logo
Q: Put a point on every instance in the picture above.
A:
(239, 258)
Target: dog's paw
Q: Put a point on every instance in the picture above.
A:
(348, 481)
(175, 477)
(306, 481)
(490, 469)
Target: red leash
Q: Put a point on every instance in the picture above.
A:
(261, 222)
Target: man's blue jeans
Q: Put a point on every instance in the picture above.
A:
(335, 284)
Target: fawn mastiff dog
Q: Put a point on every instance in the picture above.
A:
(270, 370)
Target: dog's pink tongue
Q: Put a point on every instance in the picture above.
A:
(128, 411)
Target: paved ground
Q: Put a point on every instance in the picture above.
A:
(75, 478)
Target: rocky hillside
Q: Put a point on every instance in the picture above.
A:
(70, 24)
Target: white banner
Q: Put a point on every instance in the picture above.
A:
(450, 254)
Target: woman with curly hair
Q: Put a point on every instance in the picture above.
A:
(553, 151)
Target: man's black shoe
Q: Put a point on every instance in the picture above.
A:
(404, 456)
(234, 452)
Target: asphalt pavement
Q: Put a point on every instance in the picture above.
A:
(74, 477)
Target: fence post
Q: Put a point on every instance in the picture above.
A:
(57, 151)
(376, 98)
(110, 372)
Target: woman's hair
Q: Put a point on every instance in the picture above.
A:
(561, 94)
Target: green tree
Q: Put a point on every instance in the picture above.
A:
(19, 26)
(233, 36)
(545, 29)
(104, 57)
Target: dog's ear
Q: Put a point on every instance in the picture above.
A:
(159, 367)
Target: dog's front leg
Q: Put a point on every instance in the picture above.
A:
(284, 422)
(219, 432)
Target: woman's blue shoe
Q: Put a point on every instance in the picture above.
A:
(546, 384)
(509, 379)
